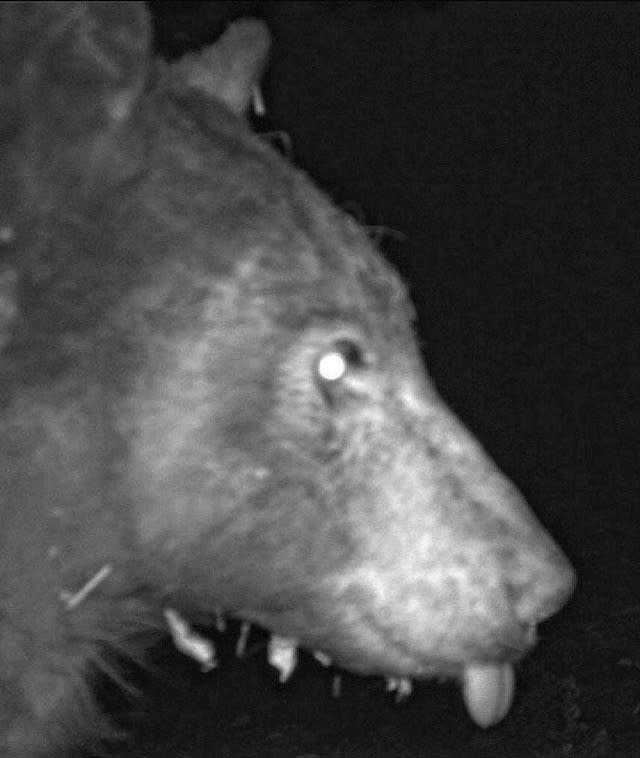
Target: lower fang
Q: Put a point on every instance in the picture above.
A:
(282, 654)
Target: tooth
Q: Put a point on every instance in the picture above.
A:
(401, 685)
(257, 101)
(488, 691)
(322, 658)
(241, 644)
(282, 655)
(189, 642)
(336, 685)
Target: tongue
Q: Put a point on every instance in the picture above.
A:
(488, 691)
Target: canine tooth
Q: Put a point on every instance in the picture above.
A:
(488, 691)
(282, 654)
(241, 644)
(189, 642)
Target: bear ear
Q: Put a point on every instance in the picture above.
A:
(229, 70)
(72, 74)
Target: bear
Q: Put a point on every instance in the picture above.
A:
(213, 399)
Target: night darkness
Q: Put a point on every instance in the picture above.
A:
(496, 147)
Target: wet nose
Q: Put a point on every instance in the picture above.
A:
(545, 583)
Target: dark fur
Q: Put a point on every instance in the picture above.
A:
(168, 283)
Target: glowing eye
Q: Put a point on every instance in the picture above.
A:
(335, 363)
(332, 366)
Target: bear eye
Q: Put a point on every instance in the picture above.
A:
(336, 362)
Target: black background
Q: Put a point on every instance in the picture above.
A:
(496, 144)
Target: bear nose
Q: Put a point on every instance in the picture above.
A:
(545, 583)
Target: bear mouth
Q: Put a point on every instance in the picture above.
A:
(488, 689)
(488, 686)
(486, 674)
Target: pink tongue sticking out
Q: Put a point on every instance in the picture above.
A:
(488, 691)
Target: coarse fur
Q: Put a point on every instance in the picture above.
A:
(168, 284)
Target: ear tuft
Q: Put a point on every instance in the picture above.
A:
(229, 70)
